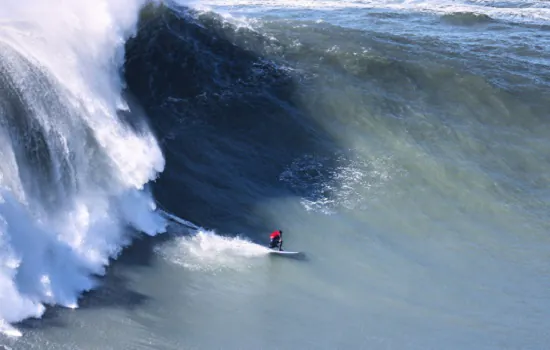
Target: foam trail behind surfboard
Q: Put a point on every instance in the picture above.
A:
(211, 251)
(206, 251)
(179, 220)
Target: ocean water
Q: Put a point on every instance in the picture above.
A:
(149, 148)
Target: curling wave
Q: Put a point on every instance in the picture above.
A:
(75, 155)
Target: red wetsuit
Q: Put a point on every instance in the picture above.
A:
(276, 239)
(275, 235)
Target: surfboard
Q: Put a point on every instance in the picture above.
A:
(283, 252)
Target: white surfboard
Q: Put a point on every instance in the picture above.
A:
(283, 252)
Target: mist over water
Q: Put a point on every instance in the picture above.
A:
(206, 251)
(72, 170)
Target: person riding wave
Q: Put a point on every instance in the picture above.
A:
(276, 239)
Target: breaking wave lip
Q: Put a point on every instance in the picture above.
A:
(72, 172)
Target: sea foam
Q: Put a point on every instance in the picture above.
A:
(75, 157)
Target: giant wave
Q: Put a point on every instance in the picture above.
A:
(75, 155)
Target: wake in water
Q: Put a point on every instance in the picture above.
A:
(74, 156)
(206, 251)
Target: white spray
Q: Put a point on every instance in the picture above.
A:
(72, 173)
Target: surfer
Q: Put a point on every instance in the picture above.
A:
(276, 239)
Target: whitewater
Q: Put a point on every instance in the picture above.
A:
(75, 156)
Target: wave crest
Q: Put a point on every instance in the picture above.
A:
(75, 155)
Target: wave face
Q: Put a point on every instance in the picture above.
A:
(291, 106)
(422, 155)
(74, 153)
